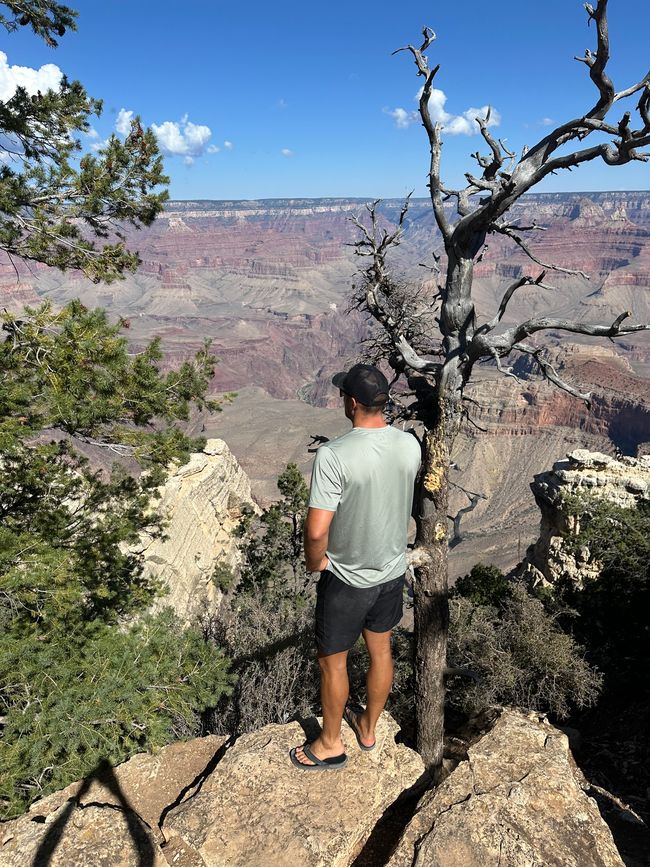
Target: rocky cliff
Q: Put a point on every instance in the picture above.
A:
(517, 800)
(623, 482)
(202, 502)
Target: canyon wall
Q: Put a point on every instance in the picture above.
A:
(202, 502)
(269, 282)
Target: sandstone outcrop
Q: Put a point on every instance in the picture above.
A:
(257, 810)
(518, 800)
(623, 482)
(111, 820)
(203, 502)
(198, 804)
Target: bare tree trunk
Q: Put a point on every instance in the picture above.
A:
(431, 587)
(431, 606)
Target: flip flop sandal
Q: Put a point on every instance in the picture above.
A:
(331, 764)
(350, 714)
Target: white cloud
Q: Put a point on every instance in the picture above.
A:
(402, 117)
(98, 145)
(286, 152)
(189, 161)
(228, 145)
(452, 124)
(185, 139)
(213, 149)
(123, 121)
(465, 124)
(92, 133)
(547, 121)
(47, 77)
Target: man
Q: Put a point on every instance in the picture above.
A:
(355, 536)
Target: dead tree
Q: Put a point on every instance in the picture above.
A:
(437, 371)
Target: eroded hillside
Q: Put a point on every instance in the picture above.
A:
(270, 283)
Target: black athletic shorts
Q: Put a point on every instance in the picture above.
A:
(343, 611)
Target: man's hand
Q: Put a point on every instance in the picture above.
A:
(317, 526)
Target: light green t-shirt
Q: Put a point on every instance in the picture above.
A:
(367, 477)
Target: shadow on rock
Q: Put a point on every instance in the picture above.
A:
(105, 775)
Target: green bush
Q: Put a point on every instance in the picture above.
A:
(517, 655)
(484, 585)
(614, 607)
(73, 699)
(84, 674)
(273, 558)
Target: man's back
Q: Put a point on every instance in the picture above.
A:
(366, 476)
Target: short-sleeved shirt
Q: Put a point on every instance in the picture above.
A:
(367, 478)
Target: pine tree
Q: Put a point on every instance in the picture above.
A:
(57, 206)
(86, 674)
(273, 554)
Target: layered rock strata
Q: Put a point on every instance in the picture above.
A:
(202, 502)
(624, 482)
(518, 800)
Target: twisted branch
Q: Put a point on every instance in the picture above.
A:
(433, 130)
(375, 244)
(508, 230)
(550, 373)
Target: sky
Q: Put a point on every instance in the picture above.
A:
(287, 99)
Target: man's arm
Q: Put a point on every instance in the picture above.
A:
(317, 528)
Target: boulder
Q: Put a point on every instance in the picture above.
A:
(257, 810)
(111, 819)
(518, 800)
(92, 836)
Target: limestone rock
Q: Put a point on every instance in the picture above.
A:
(90, 837)
(516, 801)
(112, 819)
(257, 810)
(203, 501)
(624, 482)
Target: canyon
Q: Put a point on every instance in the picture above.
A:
(269, 282)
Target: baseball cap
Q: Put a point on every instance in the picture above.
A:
(365, 383)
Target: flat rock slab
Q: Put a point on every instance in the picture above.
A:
(517, 802)
(92, 836)
(112, 819)
(257, 810)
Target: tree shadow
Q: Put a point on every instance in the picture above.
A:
(105, 775)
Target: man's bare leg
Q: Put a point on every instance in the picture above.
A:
(334, 690)
(378, 683)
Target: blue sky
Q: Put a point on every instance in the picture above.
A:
(289, 99)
